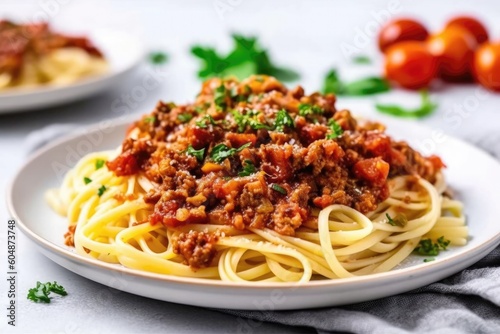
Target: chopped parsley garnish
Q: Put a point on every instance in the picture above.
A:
(278, 188)
(184, 118)
(398, 220)
(205, 121)
(366, 86)
(198, 154)
(309, 109)
(361, 59)
(248, 168)
(150, 119)
(426, 108)
(220, 152)
(101, 190)
(86, 180)
(428, 248)
(335, 130)
(429, 259)
(99, 163)
(158, 57)
(248, 119)
(221, 93)
(199, 110)
(283, 119)
(40, 294)
(246, 58)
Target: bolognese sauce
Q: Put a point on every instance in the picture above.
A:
(256, 154)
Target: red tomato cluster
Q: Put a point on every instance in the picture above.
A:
(460, 52)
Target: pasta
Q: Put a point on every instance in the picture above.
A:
(110, 218)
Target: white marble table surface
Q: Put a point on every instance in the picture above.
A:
(307, 35)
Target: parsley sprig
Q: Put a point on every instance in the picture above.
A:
(398, 220)
(428, 248)
(248, 119)
(283, 119)
(205, 121)
(335, 130)
(248, 168)
(426, 108)
(184, 118)
(278, 188)
(246, 58)
(99, 163)
(40, 293)
(158, 57)
(198, 154)
(306, 109)
(366, 86)
(101, 190)
(220, 152)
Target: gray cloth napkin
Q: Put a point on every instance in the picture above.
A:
(468, 302)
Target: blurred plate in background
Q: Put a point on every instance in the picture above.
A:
(123, 53)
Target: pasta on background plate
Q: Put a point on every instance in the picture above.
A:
(32, 55)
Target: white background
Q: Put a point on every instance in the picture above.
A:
(306, 35)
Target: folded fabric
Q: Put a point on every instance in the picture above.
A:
(468, 302)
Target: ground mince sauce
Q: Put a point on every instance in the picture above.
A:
(256, 154)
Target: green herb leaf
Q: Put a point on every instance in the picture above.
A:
(335, 130)
(366, 86)
(40, 293)
(198, 154)
(184, 118)
(205, 121)
(278, 188)
(248, 119)
(427, 247)
(426, 108)
(246, 58)
(99, 163)
(332, 83)
(443, 243)
(283, 119)
(398, 220)
(221, 93)
(361, 59)
(86, 180)
(309, 109)
(150, 119)
(429, 260)
(101, 190)
(220, 152)
(158, 57)
(248, 168)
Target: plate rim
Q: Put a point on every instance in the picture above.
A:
(379, 278)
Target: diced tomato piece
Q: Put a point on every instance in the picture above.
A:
(374, 170)
(240, 139)
(379, 145)
(436, 162)
(125, 164)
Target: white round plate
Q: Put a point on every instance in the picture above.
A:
(123, 52)
(473, 175)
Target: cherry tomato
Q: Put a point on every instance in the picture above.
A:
(487, 65)
(454, 49)
(401, 30)
(475, 27)
(410, 65)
